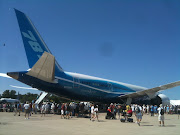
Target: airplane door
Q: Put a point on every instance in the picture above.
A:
(76, 81)
(110, 86)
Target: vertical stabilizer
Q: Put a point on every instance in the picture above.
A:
(33, 43)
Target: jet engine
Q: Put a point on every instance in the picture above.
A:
(160, 99)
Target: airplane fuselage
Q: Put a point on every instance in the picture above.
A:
(79, 87)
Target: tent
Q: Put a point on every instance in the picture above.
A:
(175, 102)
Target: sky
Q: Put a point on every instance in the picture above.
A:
(130, 41)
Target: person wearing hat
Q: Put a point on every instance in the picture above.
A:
(161, 115)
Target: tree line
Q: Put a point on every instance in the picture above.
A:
(30, 96)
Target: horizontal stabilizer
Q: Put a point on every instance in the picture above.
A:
(44, 68)
(4, 75)
(150, 92)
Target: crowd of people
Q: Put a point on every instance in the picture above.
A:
(122, 112)
(66, 110)
(125, 111)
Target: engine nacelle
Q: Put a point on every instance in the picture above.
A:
(165, 100)
(151, 99)
(160, 99)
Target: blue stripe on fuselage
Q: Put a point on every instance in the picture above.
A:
(77, 88)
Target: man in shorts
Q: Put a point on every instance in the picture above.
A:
(138, 114)
(26, 110)
(161, 115)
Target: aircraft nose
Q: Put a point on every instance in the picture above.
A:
(14, 75)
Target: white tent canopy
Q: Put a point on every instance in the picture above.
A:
(175, 102)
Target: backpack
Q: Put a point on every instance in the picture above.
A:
(19, 106)
(162, 111)
(137, 110)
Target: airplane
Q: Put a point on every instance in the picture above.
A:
(47, 75)
(9, 100)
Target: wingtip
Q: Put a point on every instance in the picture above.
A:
(17, 11)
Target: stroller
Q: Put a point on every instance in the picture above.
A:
(127, 116)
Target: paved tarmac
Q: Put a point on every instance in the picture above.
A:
(54, 125)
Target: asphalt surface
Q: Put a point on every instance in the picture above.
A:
(54, 125)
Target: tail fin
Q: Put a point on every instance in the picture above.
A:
(33, 43)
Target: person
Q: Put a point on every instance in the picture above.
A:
(152, 110)
(47, 108)
(178, 111)
(71, 109)
(115, 110)
(77, 110)
(30, 108)
(43, 112)
(62, 110)
(155, 110)
(161, 115)
(96, 113)
(167, 109)
(127, 108)
(112, 108)
(53, 108)
(67, 111)
(92, 112)
(58, 109)
(133, 108)
(129, 113)
(15, 108)
(147, 109)
(171, 109)
(4, 107)
(19, 108)
(109, 115)
(138, 114)
(26, 110)
(119, 110)
(82, 108)
(36, 108)
(144, 109)
(33, 108)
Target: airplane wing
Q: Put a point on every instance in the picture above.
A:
(27, 88)
(151, 91)
(6, 76)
